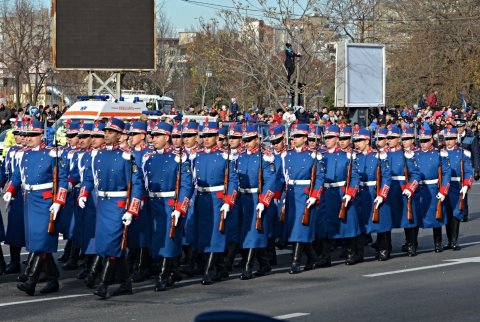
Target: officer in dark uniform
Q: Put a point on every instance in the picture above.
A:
(468, 141)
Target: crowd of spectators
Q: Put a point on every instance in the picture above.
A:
(49, 114)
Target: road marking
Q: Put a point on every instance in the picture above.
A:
(44, 299)
(290, 316)
(451, 263)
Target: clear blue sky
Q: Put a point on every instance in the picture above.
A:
(183, 14)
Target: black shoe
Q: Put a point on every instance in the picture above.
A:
(22, 278)
(295, 269)
(124, 289)
(383, 255)
(309, 267)
(209, 275)
(27, 287)
(297, 256)
(32, 275)
(66, 252)
(411, 250)
(246, 275)
(161, 285)
(101, 290)
(263, 270)
(438, 247)
(208, 278)
(52, 286)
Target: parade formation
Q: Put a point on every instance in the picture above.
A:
(143, 199)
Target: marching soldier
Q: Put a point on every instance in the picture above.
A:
(371, 197)
(177, 136)
(168, 180)
(430, 161)
(252, 202)
(381, 139)
(139, 232)
(468, 141)
(15, 234)
(340, 167)
(302, 194)
(213, 171)
(461, 182)
(401, 195)
(116, 178)
(36, 176)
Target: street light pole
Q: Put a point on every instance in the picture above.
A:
(208, 74)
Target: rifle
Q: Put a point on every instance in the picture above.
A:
(343, 210)
(313, 174)
(375, 216)
(282, 211)
(461, 204)
(221, 224)
(258, 223)
(123, 245)
(51, 221)
(177, 190)
(438, 214)
(407, 180)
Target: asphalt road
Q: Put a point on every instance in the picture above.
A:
(428, 287)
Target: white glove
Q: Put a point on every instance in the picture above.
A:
(407, 193)
(311, 201)
(463, 191)
(55, 208)
(347, 199)
(127, 219)
(70, 186)
(440, 196)
(260, 208)
(176, 214)
(225, 208)
(82, 201)
(378, 201)
(7, 196)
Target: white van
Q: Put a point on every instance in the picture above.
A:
(93, 110)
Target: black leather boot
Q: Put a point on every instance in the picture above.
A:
(23, 277)
(93, 270)
(383, 245)
(3, 265)
(297, 257)
(72, 262)
(209, 274)
(350, 246)
(232, 250)
(86, 267)
(125, 287)
(453, 229)
(437, 239)
(311, 257)
(247, 273)
(221, 272)
(360, 242)
(52, 275)
(272, 252)
(411, 242)
(32, 276)
(106, 278)
(190, 259)
(14, 266)
(264, 259)
(162, 280)
(66, 252)
(325, 259)
(140, 271)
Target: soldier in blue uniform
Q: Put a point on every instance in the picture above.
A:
(401, 163)
(36, 175)
(213, 199)
(429, 161)
(370, 196)
(177, 136)
(68, 223)
(298, 164)
(139, 232)
(162, 168)
(15, 233)
(458, 188)
(329, 225)
(252, 202)
(112, 173)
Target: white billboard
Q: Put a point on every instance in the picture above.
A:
(360, 75)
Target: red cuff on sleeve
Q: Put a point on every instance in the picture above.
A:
(266, 198)
(183, 206)
(384, 192)
(412, 186)
(134, 207)
(444, 190)
(71, 181)
(468, 182)
(277, 195)
(316, 194)
(83, 193)
(351, 192)
(11, 189)
(230, 199)
(61, 196)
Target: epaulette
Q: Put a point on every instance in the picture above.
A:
(319, 155)
(351, 155)
(409, 154)
(467, 153)
(382, 155)
(443, 153)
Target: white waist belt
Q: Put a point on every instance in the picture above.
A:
(368, 183)
(334, 184)
(111, 194)
(33, 187)
(455, 179)
(162, 194)
(398, 178)
(248, 190)
(210, 189)
(433, 181)
(298, 182)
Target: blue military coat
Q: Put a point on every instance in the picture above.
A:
(456, 156)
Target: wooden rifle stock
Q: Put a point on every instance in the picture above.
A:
(409, 200)
(51, 221)
(461, 204)
(306, 211)
(343, 210)
(221, 224)
(177, 191)
(258, 223)
(376, 216)
(123, 245)
(438, 214)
